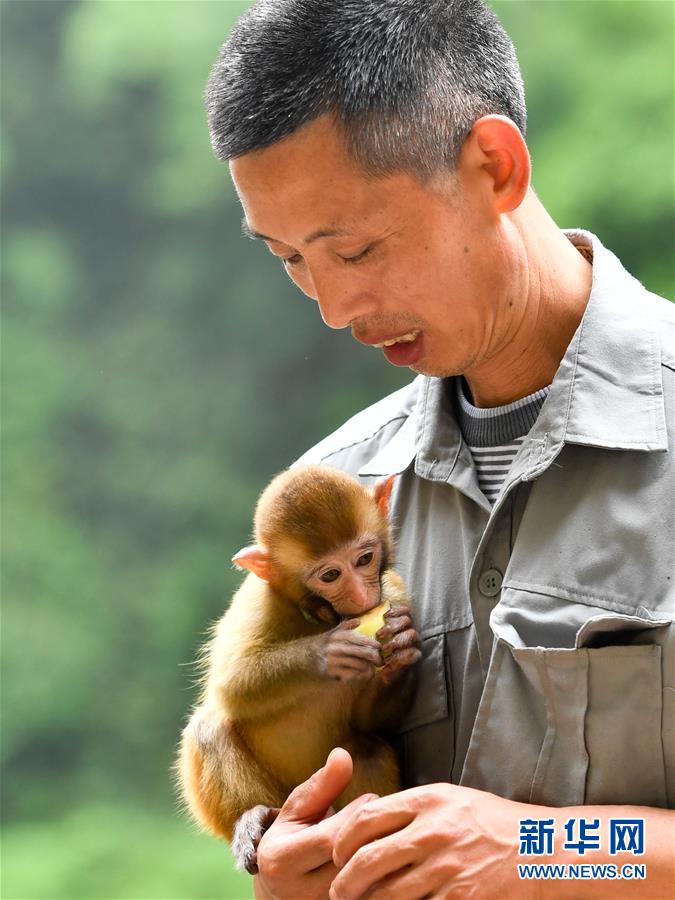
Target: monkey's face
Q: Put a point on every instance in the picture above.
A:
(349, 577)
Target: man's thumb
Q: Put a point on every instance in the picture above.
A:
(309, 801)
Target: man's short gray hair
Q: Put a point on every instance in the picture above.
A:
(405, 80)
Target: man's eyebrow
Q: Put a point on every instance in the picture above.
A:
(334, 231)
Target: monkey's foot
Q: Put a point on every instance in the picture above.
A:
(248, 830)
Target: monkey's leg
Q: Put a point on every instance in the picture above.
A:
(221, 781)
(248, 830)
(375, 769)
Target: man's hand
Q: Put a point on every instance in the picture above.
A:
(445, 841)
(295, 855)
(439, 840)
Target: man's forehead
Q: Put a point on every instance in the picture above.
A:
(317, 149)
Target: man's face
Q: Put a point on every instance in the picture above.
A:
(389, 257)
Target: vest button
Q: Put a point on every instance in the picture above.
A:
(490, 582)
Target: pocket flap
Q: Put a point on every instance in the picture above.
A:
(601, 631)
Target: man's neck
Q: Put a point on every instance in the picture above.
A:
(551, 287)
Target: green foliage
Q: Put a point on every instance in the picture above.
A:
(599, 85)
(158, 368)
(109, 850)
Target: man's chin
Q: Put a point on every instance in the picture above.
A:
(432, 371)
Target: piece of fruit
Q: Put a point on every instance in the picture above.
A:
(371, 622)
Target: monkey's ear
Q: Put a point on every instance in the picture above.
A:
(256, 559)
(381, 494)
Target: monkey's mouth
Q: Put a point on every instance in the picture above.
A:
(360, 612)
(321, 611)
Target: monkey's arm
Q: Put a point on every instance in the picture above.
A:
(261, 663)
(261, 655)
(266, 679)
(381, 705)
(318, 668)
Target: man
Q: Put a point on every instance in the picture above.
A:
(377, 147)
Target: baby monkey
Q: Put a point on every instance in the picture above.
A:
(288, 678)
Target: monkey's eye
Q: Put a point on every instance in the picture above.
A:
(365, 559)
(330, 575)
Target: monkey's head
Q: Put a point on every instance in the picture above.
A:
(319, 533)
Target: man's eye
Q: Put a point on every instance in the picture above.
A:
(291, 260)
(359, 256)
(330, 575)
(365, 559)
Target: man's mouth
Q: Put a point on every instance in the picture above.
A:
(406, 338)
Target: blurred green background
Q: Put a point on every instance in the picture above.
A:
(158, 369)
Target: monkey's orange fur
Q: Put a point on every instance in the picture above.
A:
(268, 715)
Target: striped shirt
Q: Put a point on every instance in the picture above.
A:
(494, 434)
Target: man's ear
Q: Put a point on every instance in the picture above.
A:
(496, 149)
(381, 494)
(256, 559)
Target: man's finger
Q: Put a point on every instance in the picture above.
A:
(331, 825)
(408, 881)
(386, 860)
(308, 802)
(369, 823)
(313, 845)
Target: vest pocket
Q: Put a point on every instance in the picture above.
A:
(624, 717)
(567, 725)
(623, 726)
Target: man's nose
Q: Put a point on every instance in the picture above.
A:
(340, 300)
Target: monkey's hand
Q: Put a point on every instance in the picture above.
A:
(400, 643)
(248, 829)
(346, 654)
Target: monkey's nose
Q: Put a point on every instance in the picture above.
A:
(360, 596)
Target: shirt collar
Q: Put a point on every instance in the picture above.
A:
(607, 392)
